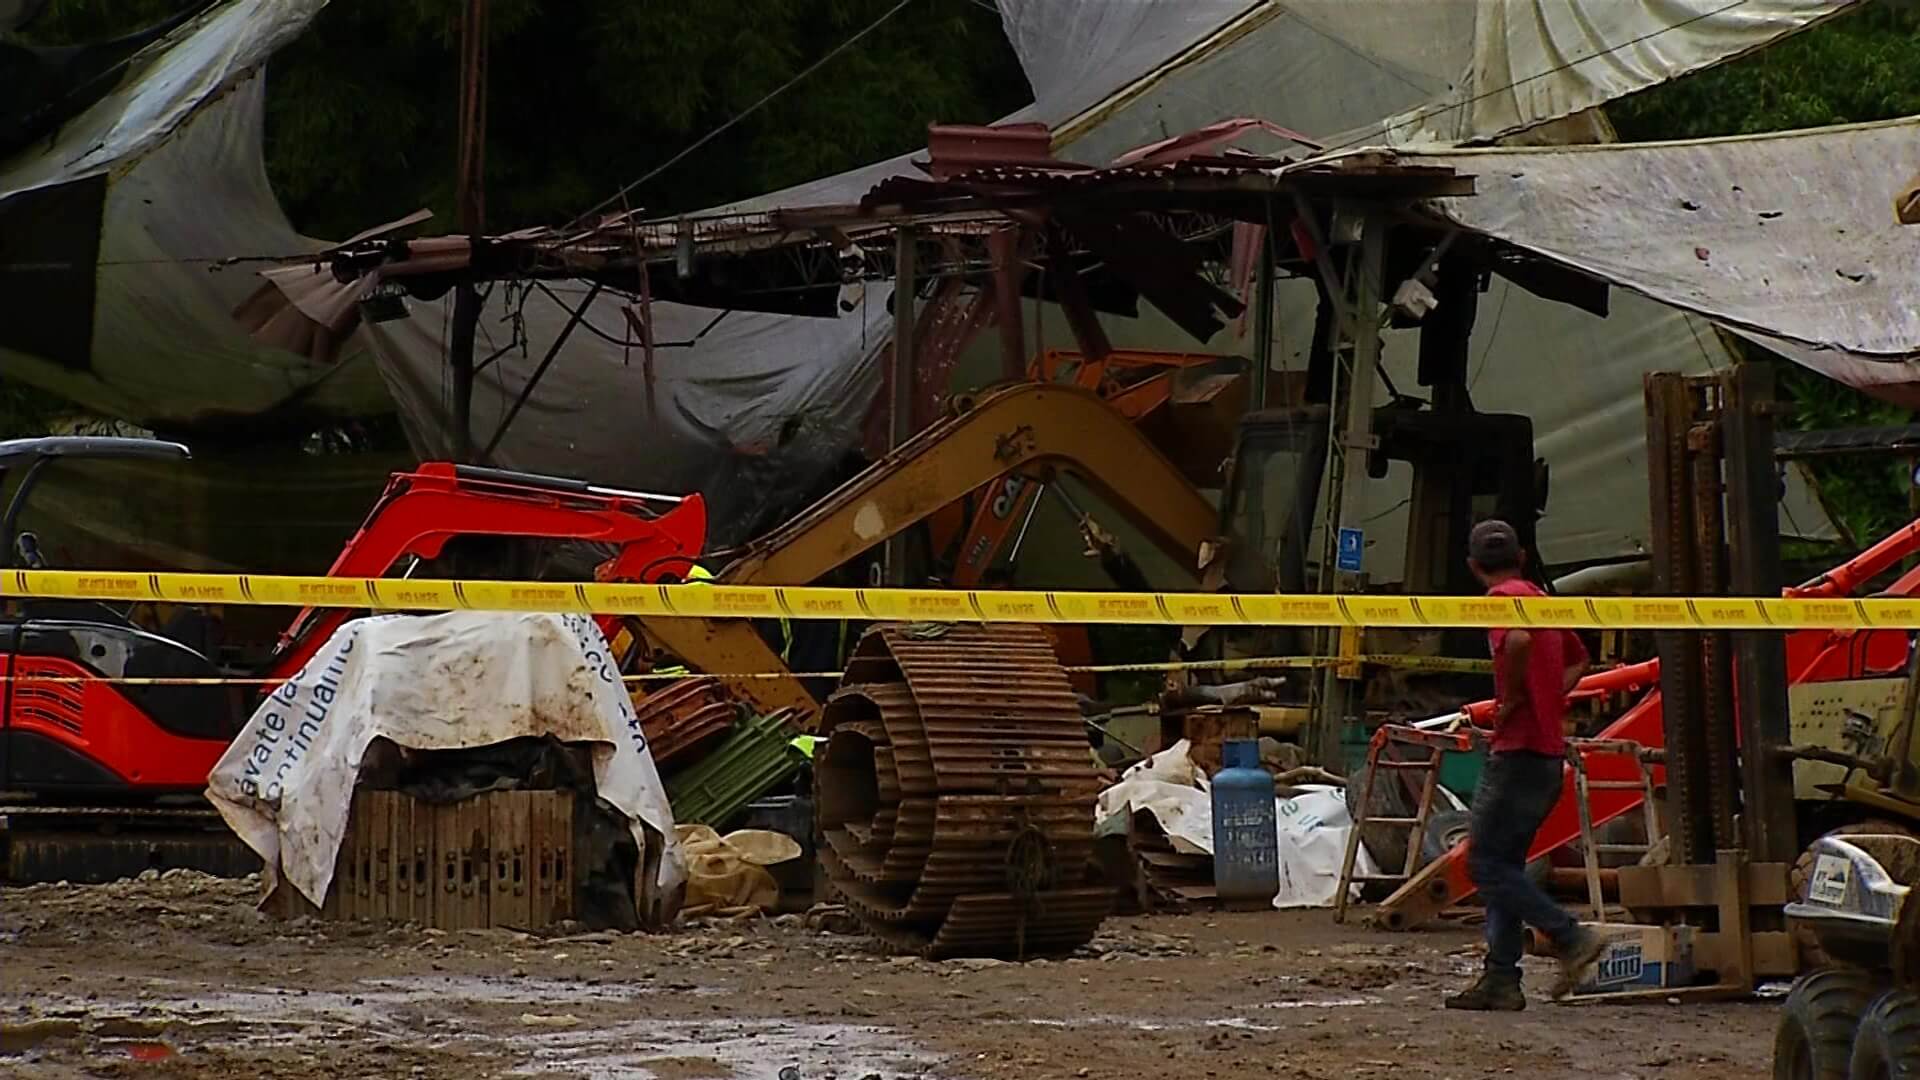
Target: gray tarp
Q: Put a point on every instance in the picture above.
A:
(177, 146)
(1772, 236)
(1534, 62)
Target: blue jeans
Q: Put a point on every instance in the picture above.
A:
(1517, 790)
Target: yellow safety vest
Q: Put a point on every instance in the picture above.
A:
(700, 575)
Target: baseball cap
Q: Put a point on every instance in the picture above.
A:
(1493, 544)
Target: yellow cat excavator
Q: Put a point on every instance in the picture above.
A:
(1038, 430)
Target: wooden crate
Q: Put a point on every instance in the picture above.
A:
(502, 859)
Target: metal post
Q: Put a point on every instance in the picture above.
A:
(1715, 647)
(1004, 246)
(1352, 436)
(1263, 323)
(901, 378)
(461, 332)
(1682, 678)
(470, 208)
(1753, 531)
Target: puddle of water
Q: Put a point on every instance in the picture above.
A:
(1240, 1022)
(748, 1047)
(415, 1010)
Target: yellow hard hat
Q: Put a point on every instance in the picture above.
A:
(696, 572)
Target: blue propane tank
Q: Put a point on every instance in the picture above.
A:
(1246, 855)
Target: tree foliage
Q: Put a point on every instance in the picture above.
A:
(587, 95)
(1855, 68)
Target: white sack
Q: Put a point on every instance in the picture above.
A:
(1168, 786)
(1313, 828)
(442, 682)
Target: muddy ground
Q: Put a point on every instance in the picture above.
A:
(182, 978)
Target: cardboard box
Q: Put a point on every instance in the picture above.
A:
(1640, 958)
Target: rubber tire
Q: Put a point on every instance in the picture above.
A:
(1815, 1036)
(1388, 843)
(1812, 956)
(1887, 1044)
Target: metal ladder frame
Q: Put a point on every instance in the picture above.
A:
(1437, 743)
(1644, 758)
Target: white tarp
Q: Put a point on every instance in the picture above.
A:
(1773, 236)
(1314, 826)
(442, 682)
(1534, 62)
(1310, 829)
(178, 142)
(1168, 786)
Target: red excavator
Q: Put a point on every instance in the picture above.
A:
(83, 753)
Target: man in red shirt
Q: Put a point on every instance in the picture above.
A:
(1519, 785)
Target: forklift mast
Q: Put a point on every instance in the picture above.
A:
(1466, 466)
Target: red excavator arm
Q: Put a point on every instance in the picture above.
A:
(420, 511)
(1812, 656)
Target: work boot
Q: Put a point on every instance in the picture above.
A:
(1491, 993)
(1577, 957)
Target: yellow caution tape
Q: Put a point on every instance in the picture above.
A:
(1407, 662)
(1397, 661)
(960, 605)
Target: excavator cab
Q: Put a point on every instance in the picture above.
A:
(75, 719)
(62, 727)
(1466, 466)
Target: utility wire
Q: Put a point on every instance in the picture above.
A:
(744, 113)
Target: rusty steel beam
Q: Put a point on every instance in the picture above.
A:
(901, 376)
(1753, 534)
(1008, 271)
(1081, 318)
(1682, 678)
(1715, 648)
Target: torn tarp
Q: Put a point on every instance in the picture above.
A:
(1772, 236)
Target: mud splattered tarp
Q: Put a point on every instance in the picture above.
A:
(445, 682)
(1773, 236)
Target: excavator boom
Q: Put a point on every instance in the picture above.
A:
(1030, 428)
(420, 511)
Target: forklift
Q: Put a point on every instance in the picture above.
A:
(1857, 1016)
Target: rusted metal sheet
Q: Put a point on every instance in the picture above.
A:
(956, 794)
(953, 149)
(685, 718)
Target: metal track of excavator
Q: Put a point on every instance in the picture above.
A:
(1036, 428)
(956, 794)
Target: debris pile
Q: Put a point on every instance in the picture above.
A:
(1162, 811)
